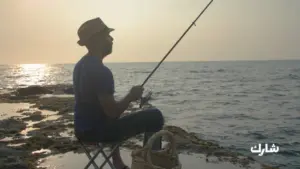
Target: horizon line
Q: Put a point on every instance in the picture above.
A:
(177, 61)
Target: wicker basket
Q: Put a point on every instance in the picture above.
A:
(146, 158)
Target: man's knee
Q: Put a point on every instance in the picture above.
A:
(157, 117)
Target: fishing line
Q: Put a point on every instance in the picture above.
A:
(193, 24)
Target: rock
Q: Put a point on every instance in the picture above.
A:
(18, 99)
(48, 128)
(69, 90)
(183, 137)
(56, 104)
(37, 113)
(60, 88)
(3, 114)
(10, 158)
(180, 135)
(22, 110)
(268, 167)
(36, 116)
(6, 151)
(49, 125)
(32, 90)
(11, 126)
(38, 142)
(34, 133)
(33, 118)
(70, 125)
(63, 145)
(65, 110)
(26, 114)
(12, 163)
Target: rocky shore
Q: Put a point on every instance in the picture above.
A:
(34, 134)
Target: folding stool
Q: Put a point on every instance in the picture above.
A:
(99, 149)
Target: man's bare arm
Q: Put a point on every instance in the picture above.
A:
(113, 108)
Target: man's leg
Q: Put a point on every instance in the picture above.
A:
(146, 121)
(117, 159)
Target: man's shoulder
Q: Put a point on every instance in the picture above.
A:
(88, 63)
(93, 65)
(79, 63)
(106, 69)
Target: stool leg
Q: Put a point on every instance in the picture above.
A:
(107, 160)
(92, 158)
(108, 157)
(89, 156)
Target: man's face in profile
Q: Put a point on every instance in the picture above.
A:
(104, 41)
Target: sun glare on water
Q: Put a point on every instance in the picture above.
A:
(32, 74)
(32, 66)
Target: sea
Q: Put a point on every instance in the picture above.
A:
(238, 104)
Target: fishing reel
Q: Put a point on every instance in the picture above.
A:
(144, 100)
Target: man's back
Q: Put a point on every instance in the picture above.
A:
(90, 78)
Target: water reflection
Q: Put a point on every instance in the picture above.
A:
(15, 76)
(31, 74)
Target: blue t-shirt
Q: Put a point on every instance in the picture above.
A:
(90, 79)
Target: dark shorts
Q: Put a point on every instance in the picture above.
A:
(146, 121)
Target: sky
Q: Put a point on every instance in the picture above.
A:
(43, 31)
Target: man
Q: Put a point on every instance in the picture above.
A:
(97, 113)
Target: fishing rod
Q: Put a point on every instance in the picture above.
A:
(193, 24)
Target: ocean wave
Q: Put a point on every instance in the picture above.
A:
(295, 70)
(291, 153)
(253, 135)
(278, 94)
(221, 103)
(283, 103)
(258, 136)
(141, 71)
(273, 87)
(293, 76)
(245, 117)
(224, 103)
(287, 77)
(195, 90)
(288, 131)
(294, 143)
(208, 81)
(201, 71)
(240, 95)
(13, 76)
(167, 93)
(248, 79)
(237, 116)
(224, 116)
(221, 70)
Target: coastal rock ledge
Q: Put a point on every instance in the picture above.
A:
(57, 135)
